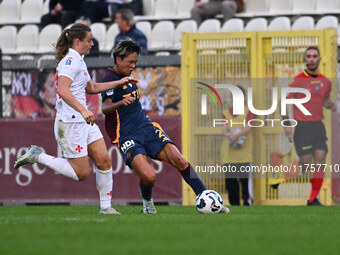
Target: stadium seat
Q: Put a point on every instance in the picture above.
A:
(210, 26)
(182, 27)
(162, 35)
(69, 25)
(279, 23)
(254, 8)
(99, 32)
(10, 11)
(280, 7)
(47, 37)
(111, 34)
(184, 8)
(233, 25)
(257, 24)
(303, 6)
(8, 35)
(148, 7)
(26, 57)
(165, 9)
(47, 57)
(45, 9)
(31, 11)
(27, 39)
(148, 11)
(145, 27)
(327, 22)
(303, 23)
(327, 6)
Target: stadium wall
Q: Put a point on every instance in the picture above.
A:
(38, 184)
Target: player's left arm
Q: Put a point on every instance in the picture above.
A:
(328, 104)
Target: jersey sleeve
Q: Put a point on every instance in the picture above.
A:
(109, 93)
(70, 68)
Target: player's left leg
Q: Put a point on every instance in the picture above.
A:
(98, 153)
(171, 154)
(320, 150)
(317, 179)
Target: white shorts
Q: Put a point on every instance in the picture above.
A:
(74, 137)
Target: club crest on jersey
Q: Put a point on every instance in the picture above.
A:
(68, 61)
(127, 145)
(109, 92)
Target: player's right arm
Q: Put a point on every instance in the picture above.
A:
(63, 90)
(289, 130)
(109, 107)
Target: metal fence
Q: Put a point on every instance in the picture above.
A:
(261, 61)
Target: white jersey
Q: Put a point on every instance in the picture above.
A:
(72, 66)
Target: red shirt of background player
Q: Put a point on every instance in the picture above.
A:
(319, 87)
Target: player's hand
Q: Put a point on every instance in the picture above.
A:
(333, 107)
(232, 137)
(289, 133)
(88, 116)
(127, 100)
(127, 80)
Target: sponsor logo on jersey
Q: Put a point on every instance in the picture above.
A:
(127, 145)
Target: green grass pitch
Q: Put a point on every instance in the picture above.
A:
(180, 230)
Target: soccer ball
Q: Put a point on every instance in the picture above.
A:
(241, 140)
(209, 201)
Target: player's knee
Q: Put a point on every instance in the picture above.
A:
(180, 162)
(320, 161)
(104, 163)
(83, 175)
(149, 179)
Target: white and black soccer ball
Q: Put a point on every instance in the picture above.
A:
(241, 140)
(209, 201)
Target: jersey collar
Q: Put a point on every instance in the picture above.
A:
(309, 75)
(76, 54)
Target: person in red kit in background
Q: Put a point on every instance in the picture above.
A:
(310, 138)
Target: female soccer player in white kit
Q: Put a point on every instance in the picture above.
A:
(74, 127)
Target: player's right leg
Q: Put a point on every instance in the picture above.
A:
(77, 169)
(147, 177)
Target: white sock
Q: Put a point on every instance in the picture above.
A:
(60, 165)
(104, 182)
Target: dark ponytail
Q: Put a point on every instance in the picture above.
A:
(65, 40)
